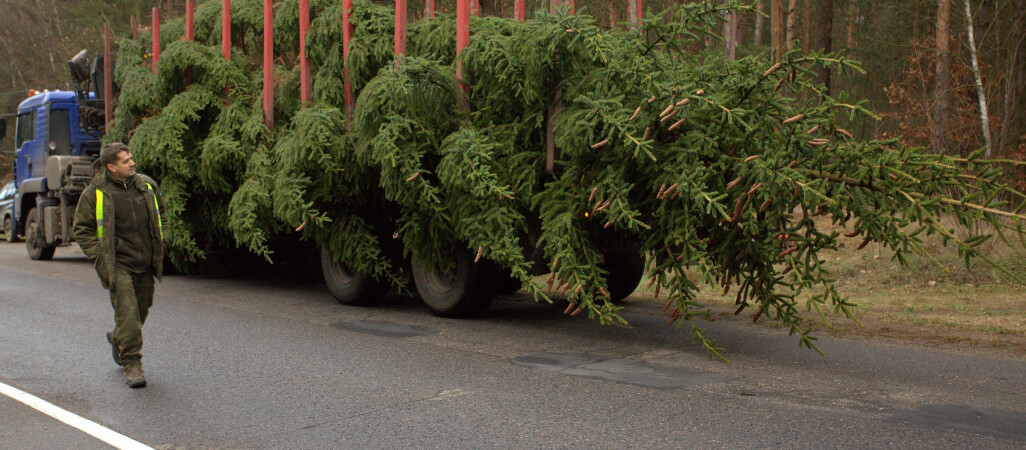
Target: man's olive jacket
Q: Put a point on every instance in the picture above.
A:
(101, 251)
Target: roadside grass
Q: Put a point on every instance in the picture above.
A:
(933, 299)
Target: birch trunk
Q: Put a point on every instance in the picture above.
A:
(726, 33)
(984, 117)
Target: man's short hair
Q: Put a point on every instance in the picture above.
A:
(109, 153)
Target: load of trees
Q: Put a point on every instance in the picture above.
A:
(565, 149)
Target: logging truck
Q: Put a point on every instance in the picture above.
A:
(59, 135)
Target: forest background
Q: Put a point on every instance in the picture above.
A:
(919, 76)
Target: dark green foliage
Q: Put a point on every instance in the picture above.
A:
(418, 171)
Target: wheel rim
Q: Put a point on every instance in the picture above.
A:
(440, 282)
(31, 231)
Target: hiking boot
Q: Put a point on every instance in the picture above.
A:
(114, 347)
(134, 377)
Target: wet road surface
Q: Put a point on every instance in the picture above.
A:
(276, 363)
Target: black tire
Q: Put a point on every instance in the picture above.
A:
(502, 283)
(35, 243)
(348, 287)
(626, 267)
(9, 233)
(460, 292)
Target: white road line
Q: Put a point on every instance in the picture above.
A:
(91, 428)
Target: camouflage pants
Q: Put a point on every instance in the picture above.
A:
(131, 294)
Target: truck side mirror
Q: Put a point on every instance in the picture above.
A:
(3, 134)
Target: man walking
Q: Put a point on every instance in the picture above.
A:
(119, 226)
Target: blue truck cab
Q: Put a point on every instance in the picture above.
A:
(57, 139)
(53, 163)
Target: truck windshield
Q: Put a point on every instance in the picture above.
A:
(60, 131)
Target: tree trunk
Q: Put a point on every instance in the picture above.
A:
(942, 79)
(984, 117)
(1015, 81)
(777, 27)
(726, 33)
(826, 25)
(792, 15)
(730, 35)
(757, 36)
(853, 13)
(806, 41)
(739, 35)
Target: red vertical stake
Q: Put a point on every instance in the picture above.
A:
(189, 22)
(347, 35)
(462, 37)
(462, 41)
(475, 7)
(573, 7)
(189, 35)
(108, 84)
(155, 34)
(268, 64)
(226, 29)
(135, 28)
(400, 30)
(518, 10)
(429, 8)
(226, 37)
(306, 92)
(641, 11)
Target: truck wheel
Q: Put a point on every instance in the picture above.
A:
(35, 243)
(458, 292)
(348, 287)
(501, 281)
(626, 266)
(9, 233)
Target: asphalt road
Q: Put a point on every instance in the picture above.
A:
(266, 363)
